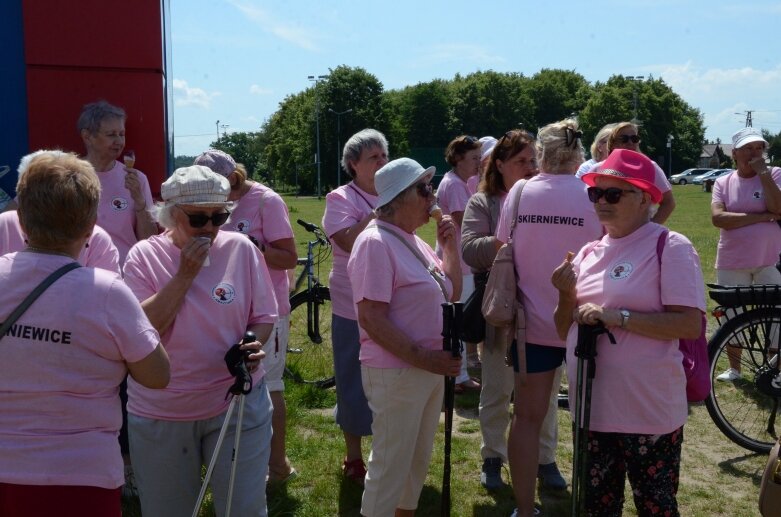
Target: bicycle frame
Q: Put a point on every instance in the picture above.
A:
(312, 281)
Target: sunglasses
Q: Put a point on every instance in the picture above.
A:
(200, 220)
(424, 189)
(471, 140)
(612, 194)
(627, 138)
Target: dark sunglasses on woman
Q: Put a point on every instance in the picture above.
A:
(612, 194)
(200, 220)
(425, 189)
(624, 139)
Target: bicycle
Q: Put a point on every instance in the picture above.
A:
(309, 353)
(746, 409)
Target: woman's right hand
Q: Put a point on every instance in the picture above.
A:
(441, 362)
(193, 255)
(564, 278)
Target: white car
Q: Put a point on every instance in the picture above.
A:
(688, 175)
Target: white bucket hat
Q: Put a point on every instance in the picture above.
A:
(195, 185)
(487, 144)
(397, 175)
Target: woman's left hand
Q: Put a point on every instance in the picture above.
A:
(253, 361)
(591, 314)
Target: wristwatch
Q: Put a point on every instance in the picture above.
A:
(624, 317)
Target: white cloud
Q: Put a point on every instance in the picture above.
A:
(186, 95)
(725, 94)
(465, 53)
(299, 36)
(259, 90)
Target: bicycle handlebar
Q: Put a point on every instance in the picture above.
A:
(310, 227)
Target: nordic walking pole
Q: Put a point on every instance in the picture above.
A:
(586, 352)
(452, 316)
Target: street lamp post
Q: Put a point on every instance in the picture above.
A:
(218, 131)
(670, 139)
(316, 79)
(338, 147)
(635, 79)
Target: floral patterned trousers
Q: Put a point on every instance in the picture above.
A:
(652, 463)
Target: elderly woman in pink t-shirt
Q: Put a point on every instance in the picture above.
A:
(202, 289)
(261, 214)
(348, 210)
(648, 302)
(745, 206)
(65, 356)
(399, 285)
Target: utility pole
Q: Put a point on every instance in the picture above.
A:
(338, 147)
(218, 131)
(670, 139)
(316, 79)
(748, 113)
(635, 79)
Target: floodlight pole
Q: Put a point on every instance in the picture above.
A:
(338, 148)
(316, 79)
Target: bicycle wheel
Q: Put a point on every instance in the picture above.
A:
(746, 409)
(309, 350)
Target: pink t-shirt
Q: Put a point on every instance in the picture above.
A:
(117, 211)
(452, 196)
(640, 385)
(554, 217)
(471, 184)
(229, 295)
(62, 363)
(752, 246)
(101, 251)
(267, 223)
(384, 270)
(344, 207)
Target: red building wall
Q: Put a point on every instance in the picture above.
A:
(80, 52)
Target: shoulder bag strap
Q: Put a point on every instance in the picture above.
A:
(357, 191)
(423, 261)
(517, 202)
(49, 280)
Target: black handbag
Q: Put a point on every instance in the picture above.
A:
(473, 327)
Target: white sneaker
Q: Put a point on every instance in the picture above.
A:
(729, 375)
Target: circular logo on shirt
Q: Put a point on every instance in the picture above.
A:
(118, 204)
(224, 293)
(757, 194)
(243, 226)
(621, 270)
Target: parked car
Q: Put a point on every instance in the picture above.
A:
(712, 175)
(688, 175)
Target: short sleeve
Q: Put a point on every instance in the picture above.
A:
(371, 270)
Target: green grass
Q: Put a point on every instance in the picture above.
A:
(718, 478)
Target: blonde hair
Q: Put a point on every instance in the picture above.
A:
(559, 147)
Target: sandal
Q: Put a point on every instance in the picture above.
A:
(469, 384)
(273, 479)
(354, 470)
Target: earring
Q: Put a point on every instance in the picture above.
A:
(86, 244)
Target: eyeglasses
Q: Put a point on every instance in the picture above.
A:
(471, 140)
(424, 189)
(612, 194)
(200, 220)
(626, 138)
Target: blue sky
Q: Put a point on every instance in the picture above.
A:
(236, 60)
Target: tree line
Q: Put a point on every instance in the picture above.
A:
(420, 120)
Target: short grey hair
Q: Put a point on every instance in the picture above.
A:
(552, 148)
(94, 113)
(364, 139)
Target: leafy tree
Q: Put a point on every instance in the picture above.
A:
(183, 161)
(774, 147)
(558, 94)
(244, 147)
(661, 112)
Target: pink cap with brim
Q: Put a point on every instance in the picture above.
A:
(629, 166)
